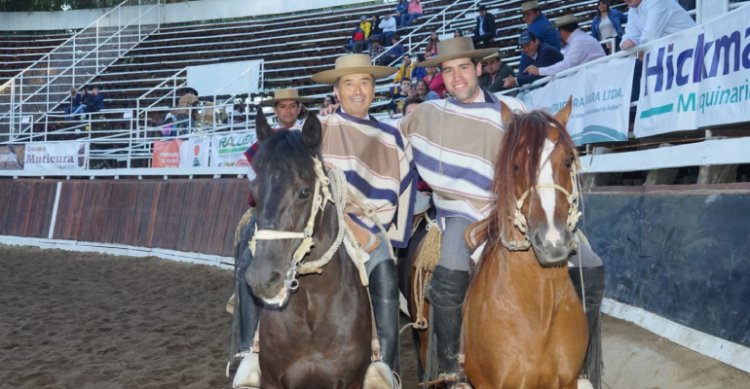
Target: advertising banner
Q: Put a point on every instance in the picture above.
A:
(227, 149)
(12, 157)
(166, 153)
(56, 156)
(601, 100)
(194, 152)
(698, 78)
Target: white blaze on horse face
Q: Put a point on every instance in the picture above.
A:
(547, 192)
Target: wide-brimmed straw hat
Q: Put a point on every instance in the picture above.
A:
(285, 94)
(565, 20)
(529, 5)
(461, 47)
(352, 64)
(495, 54)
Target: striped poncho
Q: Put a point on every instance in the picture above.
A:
(455, 146)
(379, 170)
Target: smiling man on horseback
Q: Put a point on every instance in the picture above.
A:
(381, 180)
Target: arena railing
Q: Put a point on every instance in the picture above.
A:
(85, 55)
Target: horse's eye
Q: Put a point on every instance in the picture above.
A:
(304, 193)
(569, 162)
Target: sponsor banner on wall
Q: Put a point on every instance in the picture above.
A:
(601, 100)
(166, 153)
(12, 157)
(194, 152)
(56, 156)
(698, 78)
(227, 149)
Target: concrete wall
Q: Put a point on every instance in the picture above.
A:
(170, 13)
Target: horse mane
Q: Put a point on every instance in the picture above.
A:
(519, 158)
(285, 148)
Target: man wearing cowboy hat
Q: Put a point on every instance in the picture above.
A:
(455, 143)
(379, 170)
(287, 105)
(494, 73)
(540, 26)
(579, 48)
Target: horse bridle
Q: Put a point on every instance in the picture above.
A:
(327, 188)
(519, 219)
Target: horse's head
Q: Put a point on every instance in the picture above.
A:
(535, 182)
(287, 191)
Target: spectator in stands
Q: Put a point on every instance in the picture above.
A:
(394, 52)
(423, 91)
(652, 19)
(411, 104)
(458, 33)
(388, 26)
(579, 48)
(365, 25)
(435, 80)
(419, 72)
(496, 71)
(328, 101)
(376, 48)
(484, 30)
(375, 31)
(92, 102)
(74, 101)
(540, 26)
(186, 111)
(405, 70)
(540, 54)
(431, 49)
(607, 24)
(357, 40)
(399, 94)
(402, 10)
(414, 11)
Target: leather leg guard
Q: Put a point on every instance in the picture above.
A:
(446, 294)
(385, 304)
(593, 280)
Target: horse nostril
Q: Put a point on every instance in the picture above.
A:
(536, 239)
(274, 278)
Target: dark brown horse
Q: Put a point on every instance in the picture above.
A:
(316, 329)
(524, 326)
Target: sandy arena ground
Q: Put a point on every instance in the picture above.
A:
(82, 320)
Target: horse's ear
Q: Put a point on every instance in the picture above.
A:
(506, 114)
(262, 129)
(564, 114)
(311, 132)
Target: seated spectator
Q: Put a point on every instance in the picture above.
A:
(541, 55)
(484, 30)
(402, 9)
(579, 48)
(92, 102)
(414, 11)
(399, 95)
(419, 72)
(405, 70)
(607, 24)
(357, 41)
(652, 19)
(423, 91)
(394, 52)
(456, 34)
(365, 25)
(328, 101)
(435, 80)
(375, 31)
(74, 102)
(186, 112)
(540, 26)
(431, 49)
(496, 71)
(388, 26)
(376, 48)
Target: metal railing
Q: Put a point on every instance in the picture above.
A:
(44, 84)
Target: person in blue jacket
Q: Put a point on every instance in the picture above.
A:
(608, 24)
(540, 27)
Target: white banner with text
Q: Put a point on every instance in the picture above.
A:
(56, 156)
(601, 100)
(698, 78)
(228, 149)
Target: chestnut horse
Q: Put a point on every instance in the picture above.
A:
(316, 329)
(523, 324)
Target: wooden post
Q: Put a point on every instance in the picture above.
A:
(662, 176)
(717, 174)
(590, 181)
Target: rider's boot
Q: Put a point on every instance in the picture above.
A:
(247, 315)
(446, 293)
(385, 304)
(593, 283)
